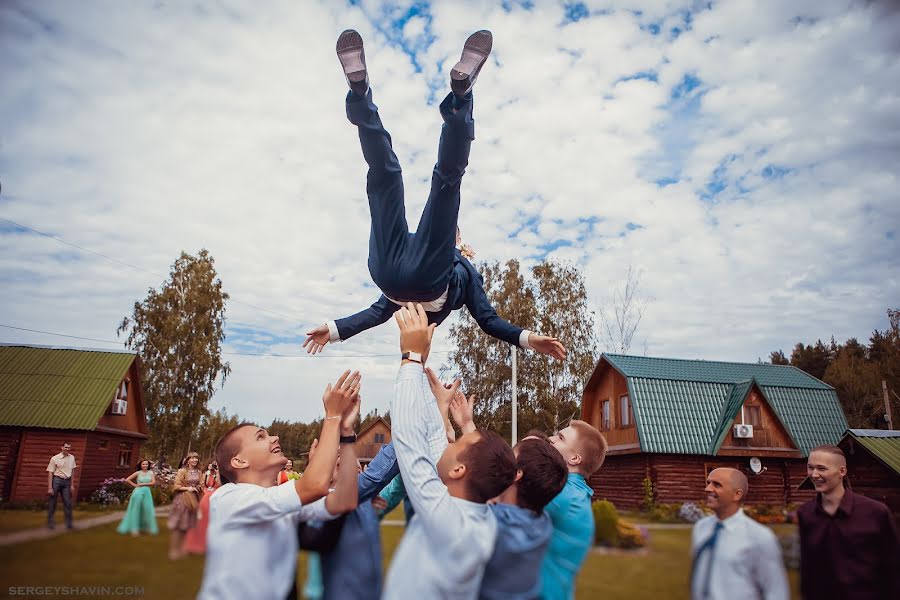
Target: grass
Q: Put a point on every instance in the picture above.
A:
(101, 557)
(19, 520)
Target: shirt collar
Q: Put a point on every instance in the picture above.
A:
(845, 508)
(734, 520)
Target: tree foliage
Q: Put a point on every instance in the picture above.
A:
(552, 301)
(178, 332)
(856, 372)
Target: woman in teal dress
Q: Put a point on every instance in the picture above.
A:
(140, 516)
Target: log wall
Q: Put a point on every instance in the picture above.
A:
(36, 449)
(10, 439)
(682, 478)
(101, 460)
(608, 384)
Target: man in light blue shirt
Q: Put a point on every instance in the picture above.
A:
(451, 536)
(584, 449)
(734, 556)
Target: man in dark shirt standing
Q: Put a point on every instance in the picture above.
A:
(848, 542)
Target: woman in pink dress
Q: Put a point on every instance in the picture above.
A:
(195, 540)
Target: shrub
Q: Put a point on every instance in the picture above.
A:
(766, 513)
(112, 491)
(690, 512)
(648, 502)
(630, 535)
(162, 494)
(665, 513)
(605, 523)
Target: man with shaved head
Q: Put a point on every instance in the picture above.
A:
(848, 542)
(734, 556)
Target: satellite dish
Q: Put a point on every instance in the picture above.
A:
(756, 465)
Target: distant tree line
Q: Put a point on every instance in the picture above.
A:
(856, 371)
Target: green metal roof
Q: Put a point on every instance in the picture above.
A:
(884, 445)
(60, 388)
(687, 406)
(709, 371)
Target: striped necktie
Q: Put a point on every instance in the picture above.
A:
(709, 544)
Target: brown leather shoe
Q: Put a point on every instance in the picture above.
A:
(353, 59)
(475, 53)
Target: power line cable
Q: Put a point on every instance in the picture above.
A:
(89, 339)
(134, 267)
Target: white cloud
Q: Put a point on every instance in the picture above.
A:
(141, 131)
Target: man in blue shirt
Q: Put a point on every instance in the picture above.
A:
(350, 546)
(583, 448)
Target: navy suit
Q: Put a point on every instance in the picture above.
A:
(419, 266)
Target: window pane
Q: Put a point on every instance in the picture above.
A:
(624, 411)
(606, 414)
(755, 416)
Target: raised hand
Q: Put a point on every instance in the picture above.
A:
(339, 398)
(316, 340)
(462, 410)
(348, 422)
(547, 345)
(415, 332)
(442, 393)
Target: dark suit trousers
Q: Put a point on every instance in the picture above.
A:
(415, 266)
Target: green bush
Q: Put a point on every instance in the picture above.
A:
(665, 513)
(649, 501)
(162, 494)
(606, 520)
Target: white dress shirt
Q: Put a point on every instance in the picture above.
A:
(449, 540)
(251, 548)
(746, 562)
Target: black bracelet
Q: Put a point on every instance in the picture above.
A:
(348, 439)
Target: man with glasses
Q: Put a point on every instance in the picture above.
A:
(59, 481)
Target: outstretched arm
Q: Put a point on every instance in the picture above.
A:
(344, 329)
(491, 323)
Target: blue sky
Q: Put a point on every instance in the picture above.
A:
(741, 155)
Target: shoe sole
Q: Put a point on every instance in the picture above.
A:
(475, 53)
(350, 53)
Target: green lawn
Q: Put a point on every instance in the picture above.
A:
(101, 557)
(16, 520)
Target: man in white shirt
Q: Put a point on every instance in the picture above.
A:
(451, 536)
(59, 483)
(252, 537)
(734, 556)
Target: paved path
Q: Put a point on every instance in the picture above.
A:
(43, 533)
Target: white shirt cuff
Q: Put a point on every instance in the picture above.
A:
(523, 339)
(333, 332)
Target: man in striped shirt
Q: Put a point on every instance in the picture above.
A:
(451, 536)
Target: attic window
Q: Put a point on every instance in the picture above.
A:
(122, 392)
(604, 415)
(754, 416)
(379, 438)
(625, 417)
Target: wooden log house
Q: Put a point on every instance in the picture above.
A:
(369, 440)
(89, 398)
(672, 421)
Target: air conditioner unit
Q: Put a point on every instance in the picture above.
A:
(119, 407)
(743, 431)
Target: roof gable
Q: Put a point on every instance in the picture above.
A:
(882, 444)
(58, 388)
(372, 424)
(681, 406)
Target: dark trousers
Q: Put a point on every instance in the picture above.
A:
(415, 266)
(61, 486)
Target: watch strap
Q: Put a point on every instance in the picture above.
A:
(348, 439)
(413, 356)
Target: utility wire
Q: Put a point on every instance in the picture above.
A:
(134, 267)
(77, 337)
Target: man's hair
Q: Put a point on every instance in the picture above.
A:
(829, 449)
(227, 448)
(591, 445)
(537, 433)
(490, 466)
(544, 474)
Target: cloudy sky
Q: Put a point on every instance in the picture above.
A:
(742, 155)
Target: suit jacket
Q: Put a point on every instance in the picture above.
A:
(466, 288)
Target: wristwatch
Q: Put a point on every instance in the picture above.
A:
(348, 439)
(413, 356)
